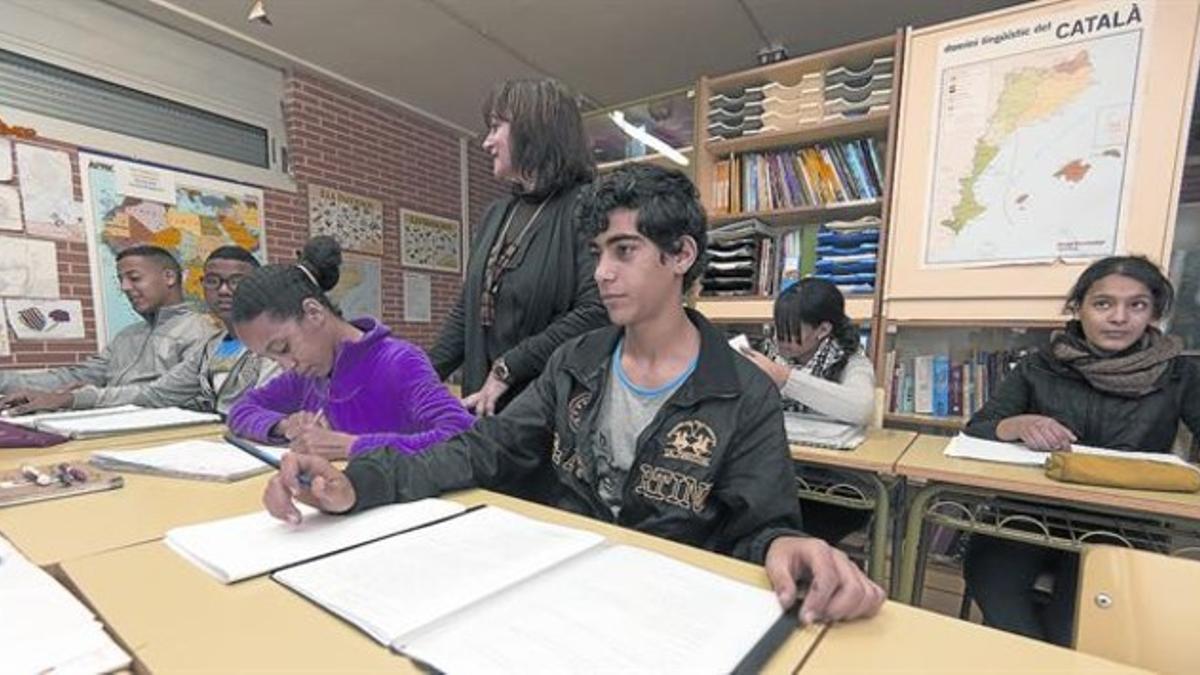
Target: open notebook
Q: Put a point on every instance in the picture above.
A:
(44, 628)
(143, 419)
(232, 549)
(822, 432)
(968, 447)
(34, 419)
(493, 591)
(199, 459)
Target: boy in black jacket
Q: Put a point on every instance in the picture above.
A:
(653, 423)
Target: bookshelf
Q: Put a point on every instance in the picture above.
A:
(877, 124)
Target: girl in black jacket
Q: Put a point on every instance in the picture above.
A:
(1109, 379)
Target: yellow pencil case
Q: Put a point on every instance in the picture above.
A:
(1120, 472)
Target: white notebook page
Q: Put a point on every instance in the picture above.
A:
(237, 548)
(393, 587)
(619, 609)
(200, 458)
(138, 420)
(968, 447)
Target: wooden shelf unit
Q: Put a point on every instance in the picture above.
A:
(877, 124)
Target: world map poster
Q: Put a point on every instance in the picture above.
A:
(189, 216)
(1033, 135)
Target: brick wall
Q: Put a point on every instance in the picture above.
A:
(340, 139)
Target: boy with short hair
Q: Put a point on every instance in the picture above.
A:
(653, 423)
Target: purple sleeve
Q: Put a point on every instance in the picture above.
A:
(424, 401)
(258, 411)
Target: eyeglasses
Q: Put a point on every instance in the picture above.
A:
(214, 281)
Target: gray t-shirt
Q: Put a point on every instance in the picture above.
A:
(624, 413)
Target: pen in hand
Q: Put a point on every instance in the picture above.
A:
(245, 446)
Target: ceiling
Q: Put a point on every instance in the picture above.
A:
(442, 56)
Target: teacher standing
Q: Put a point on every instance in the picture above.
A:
(529, 285)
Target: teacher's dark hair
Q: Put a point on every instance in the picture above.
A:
(1133, 266)
(280, 290)
(546, 135)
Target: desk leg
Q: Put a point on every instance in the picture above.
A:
(912, 558)
(879, 530)
(899, 495)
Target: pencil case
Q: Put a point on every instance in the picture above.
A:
(1120, 472)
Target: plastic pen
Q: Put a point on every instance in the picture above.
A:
(251, 449)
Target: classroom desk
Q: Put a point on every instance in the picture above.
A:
(904, 639)
(142, 510)
(863, 479)
(10, 457)
(989, 497)
(174, 617)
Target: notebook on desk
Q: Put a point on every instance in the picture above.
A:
(143, 419)
(822, 432)
(241, 547)
(494, 591)
(45, 629)
(963, 446)
(193, 459)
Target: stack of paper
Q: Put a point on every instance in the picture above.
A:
(822, 432)
(44, 628)
(36, 418)
(203, 460)
(241, 547)
(143, 419)
(968, 447)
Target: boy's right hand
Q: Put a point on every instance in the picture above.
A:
(329, 489)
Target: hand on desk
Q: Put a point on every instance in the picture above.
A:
(322, 442)
(837, 589)
(328, 490)
(1037, 432)
(28, 401)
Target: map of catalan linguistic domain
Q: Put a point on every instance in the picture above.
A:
(1030, 154)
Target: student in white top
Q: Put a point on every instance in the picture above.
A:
(828, 374)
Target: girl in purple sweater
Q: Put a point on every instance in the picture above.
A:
(349, 386)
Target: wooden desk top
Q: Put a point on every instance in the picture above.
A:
(143, 510)
(911, 640)
(925, 460)
(10, 457)
(878, 453)
(175, 617)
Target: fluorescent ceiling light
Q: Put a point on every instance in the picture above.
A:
(640, 134)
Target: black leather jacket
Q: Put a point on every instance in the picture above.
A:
(712, 470)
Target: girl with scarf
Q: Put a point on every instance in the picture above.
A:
(831, 377)
(1110, 379)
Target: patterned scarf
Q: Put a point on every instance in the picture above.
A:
(1133, 373)
(500, 259)
(826, 363)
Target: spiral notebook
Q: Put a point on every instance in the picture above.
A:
(193, 459)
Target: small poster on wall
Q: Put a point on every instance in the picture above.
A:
(355, 221)
(39, 319)
(429, 242)
(418, 298)
(359, 291)
(47, 193)
(10, 208)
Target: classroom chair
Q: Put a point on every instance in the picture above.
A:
(1139, 608)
